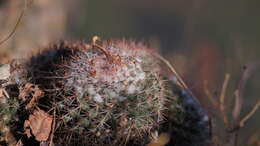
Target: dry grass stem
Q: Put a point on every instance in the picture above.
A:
(181, 82)
(16, 25)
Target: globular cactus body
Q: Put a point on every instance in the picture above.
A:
(113, 93)
(118, 95)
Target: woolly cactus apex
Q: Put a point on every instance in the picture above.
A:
(123, 87)
(112, 93)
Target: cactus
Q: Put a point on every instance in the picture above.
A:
(108, 93)
(116, 94)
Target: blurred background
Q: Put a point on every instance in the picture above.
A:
(203, 39)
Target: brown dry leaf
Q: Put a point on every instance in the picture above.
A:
(40, 124)
(27, 130)
(30, 90)
(162, 140)
(25, 91)
(36, 96)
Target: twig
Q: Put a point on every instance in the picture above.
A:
(237, 105)
(249, 115)
(248, 70)
(239, 101)
(222, 98)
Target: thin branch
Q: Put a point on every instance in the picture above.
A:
(222, 98)
(248, 70)
(249, 115)
(237, 105)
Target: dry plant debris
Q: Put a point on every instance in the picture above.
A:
(39, 124)
(235, 122)
(33, 91)
(161, 140)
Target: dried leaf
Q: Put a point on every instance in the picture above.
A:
(30, 90)
(25, 91)
(36, 96)
(40, 124)
(27, 130)
(162, 140)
